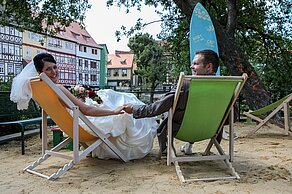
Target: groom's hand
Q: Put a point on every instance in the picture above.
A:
(119, 110)
(128, 108)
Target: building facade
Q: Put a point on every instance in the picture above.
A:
(63, 48)
(32, 44)
(121, 68)
(103, 66)
(78, 56)
(10, 52)
(88, 55)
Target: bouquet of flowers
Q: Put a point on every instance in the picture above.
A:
(83, 91)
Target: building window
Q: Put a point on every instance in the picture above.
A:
(116, 72)
(93, 64)
(80, 76)
(94, 51)
(1, 68)
(85, 64)
(70, 60)
(18, 69)
(124, 72)
(71, 76)
(10, 69)
(93, 77)
(66, 75)
(86, 77)
(17, 33)
(123, 62)
(6, 30)
(80, 48)
(5, 48)
(59, 44)
(84, 49)
(17, 51)
(62, 76)
(109, 73)
(75, 35)
(37, 37)
(11, 49)
(86, 38)
(28, 52)
(11, 31)
(69, 45)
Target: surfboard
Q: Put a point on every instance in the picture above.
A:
(202, 32)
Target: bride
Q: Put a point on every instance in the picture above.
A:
(134, 138)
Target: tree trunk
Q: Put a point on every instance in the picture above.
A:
(152, 92)
(254, 91)
(232, 56)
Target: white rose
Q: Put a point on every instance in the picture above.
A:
(76, 88)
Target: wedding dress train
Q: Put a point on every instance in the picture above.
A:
(133, 137)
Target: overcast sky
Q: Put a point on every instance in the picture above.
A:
(102, 22)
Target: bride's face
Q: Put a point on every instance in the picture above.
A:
(51, 70)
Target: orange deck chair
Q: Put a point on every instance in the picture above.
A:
(55, 104)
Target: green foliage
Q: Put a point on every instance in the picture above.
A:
(263, 29)
(6, 86)
(39, 14)
(265, 36)
(276, 73)
(149, 57)
(179, 47)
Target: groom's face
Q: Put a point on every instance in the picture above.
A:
(51, 70)
(199, 67)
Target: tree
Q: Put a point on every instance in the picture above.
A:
(40, 15)
(238, 25)
(149, 59)
(6, 85)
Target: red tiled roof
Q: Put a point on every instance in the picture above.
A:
(75, 33)
(120, 60)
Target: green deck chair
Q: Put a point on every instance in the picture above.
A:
(275, 107)
(210, 101)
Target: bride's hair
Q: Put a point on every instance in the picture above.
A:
(40, 59)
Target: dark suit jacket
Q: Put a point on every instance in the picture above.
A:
(162, 106)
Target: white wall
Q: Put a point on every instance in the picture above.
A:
(59, 45)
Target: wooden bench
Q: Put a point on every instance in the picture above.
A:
(15, 124)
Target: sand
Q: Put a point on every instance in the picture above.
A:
(263, 161)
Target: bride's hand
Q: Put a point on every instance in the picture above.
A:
(128, 108)
(119, 110)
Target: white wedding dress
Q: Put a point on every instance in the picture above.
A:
(133, 137)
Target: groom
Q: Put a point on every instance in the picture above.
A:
(205, 62)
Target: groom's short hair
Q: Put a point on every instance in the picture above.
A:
(209, 56)
(40, 59)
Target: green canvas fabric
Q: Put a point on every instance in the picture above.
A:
(269, 107)
(207, 104)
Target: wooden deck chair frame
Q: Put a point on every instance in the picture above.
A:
(227, 158)
(275, 108)
(45, 92)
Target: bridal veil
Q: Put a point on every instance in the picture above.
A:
(21, 91)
